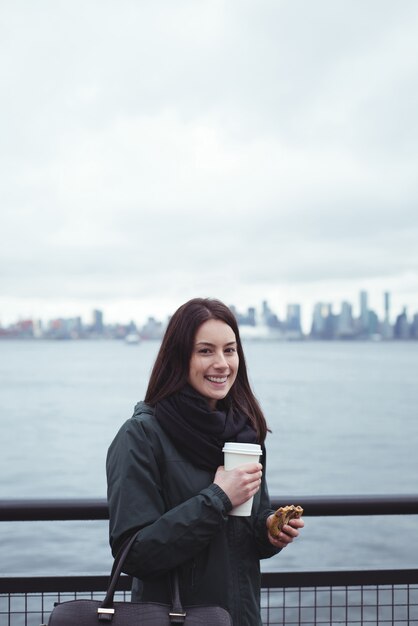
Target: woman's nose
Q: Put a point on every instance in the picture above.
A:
(221, 361)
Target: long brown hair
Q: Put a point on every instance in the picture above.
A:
(171, 368)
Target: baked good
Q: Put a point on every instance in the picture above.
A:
(282, 516)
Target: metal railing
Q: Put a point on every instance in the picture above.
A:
(27, 510)
(351, 597)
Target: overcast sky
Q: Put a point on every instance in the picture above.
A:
(153, 151)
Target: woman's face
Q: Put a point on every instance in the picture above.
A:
(214, 362)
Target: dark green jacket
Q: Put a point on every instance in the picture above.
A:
(185, 524)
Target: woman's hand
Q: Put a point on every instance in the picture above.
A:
(240, 483)
(288, 533)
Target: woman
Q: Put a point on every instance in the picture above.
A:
(166, 477)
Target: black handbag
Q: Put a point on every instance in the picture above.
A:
(96, 613)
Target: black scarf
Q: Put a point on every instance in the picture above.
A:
(200, 433)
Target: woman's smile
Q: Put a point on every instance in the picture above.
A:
(217, 379)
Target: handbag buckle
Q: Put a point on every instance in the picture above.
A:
(105, 615)
(177, 618)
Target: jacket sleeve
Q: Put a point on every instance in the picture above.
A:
(264, 547)
(167, 538)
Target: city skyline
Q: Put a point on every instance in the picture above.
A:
(140, 309)
(326, 323)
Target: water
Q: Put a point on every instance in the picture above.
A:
(343, 416)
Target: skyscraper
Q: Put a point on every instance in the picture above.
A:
(293, 316)
(364, 311)
(387, 305)
(387, 330)
(322, 321)
(98, 326)
(345, 327)
(401, 329)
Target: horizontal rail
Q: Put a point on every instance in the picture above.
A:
(270, 580)
(30, 510)
(20, 510)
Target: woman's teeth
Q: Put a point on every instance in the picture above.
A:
(217, 379)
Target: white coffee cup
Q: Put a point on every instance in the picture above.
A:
(236, 454)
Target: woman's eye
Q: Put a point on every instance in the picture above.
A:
(204, 351)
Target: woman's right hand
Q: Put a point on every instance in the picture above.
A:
(240, 483)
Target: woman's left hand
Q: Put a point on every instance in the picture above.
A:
(288, 533)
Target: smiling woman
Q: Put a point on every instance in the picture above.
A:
(167, 482)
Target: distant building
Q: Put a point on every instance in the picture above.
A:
(414, 327)
(98, 324)
(386, 297)
(38, 329)
(401, 328)
(386, 329)
(364, 313)
(131, 328)
(373, 323)
(345, 323)
(234, 311)
(23, 329)
(269, 318)
(293, 319)
(323, 321)
(152, 329)
(251, 316)
(248, 319)
(266, 312)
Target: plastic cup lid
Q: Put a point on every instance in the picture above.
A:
(242, 448)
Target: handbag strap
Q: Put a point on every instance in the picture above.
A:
(177, 614)
(117, 570)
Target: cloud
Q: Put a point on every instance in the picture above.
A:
(159, 149)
